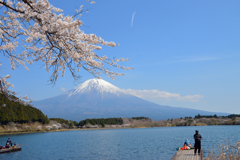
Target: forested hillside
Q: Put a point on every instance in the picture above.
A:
(16, 112)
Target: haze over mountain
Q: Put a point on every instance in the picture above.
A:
(96, 98)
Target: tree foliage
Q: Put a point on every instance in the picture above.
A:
(233, 115)
(17, 112)
(205, 116)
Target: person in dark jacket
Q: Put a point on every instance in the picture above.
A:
(9, 142)
(197, 144)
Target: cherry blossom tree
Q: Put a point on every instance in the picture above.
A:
(48, 36)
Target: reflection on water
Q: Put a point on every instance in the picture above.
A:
(144, 143)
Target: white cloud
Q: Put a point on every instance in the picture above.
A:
(133, 18)
(63, 89)
(153, 95)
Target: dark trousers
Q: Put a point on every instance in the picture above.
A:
(197, 147)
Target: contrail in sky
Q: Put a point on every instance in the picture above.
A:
(133, 18)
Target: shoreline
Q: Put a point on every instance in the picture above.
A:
(85, 129)
(60, 130)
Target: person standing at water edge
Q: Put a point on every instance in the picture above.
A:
(197, 144)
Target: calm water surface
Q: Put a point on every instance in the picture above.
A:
(146, 143)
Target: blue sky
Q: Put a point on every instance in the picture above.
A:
(189, 49)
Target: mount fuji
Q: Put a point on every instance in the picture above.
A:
(96, 98)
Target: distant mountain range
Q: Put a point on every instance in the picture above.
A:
(96, 98)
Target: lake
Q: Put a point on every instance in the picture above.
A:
(139, 143)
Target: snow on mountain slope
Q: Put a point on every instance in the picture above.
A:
(96, 85)
(96, 98)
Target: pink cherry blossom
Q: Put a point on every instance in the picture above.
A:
(48, 36)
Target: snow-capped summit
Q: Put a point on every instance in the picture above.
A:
(95, 85)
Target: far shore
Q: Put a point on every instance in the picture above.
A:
(64, 130)
(83, 129)
(61, 125)
(60, 130)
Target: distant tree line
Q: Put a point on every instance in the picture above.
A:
(232, 116)
(68, 122)
(102, 121)
(11, 111)
(232, 119)
(139, 118)
(206, 116)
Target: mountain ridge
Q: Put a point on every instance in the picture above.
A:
(96, 98)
